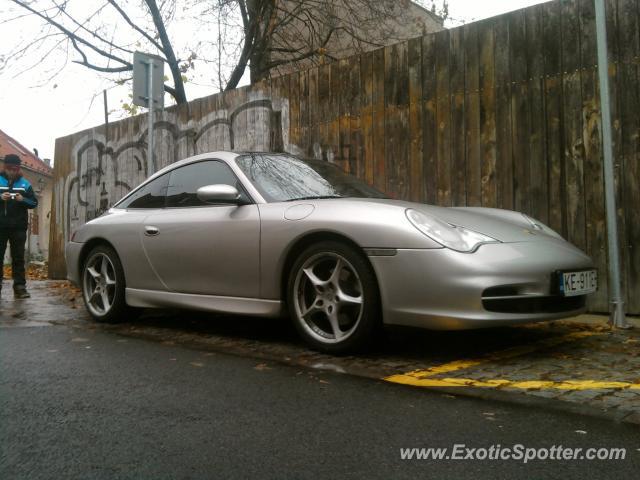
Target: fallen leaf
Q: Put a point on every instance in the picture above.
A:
(261, 367)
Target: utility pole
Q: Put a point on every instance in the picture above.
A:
(150, 100)
(617, 316)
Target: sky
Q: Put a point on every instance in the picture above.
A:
(36, 109)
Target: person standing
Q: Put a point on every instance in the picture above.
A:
(17, 197)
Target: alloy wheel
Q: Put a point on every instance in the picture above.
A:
(99, 284)
(328, 297)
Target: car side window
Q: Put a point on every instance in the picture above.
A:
(185, 182)
(152, 195)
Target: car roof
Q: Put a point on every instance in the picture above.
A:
(226, 156)
(220, 154)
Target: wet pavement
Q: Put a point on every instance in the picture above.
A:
(580, 365)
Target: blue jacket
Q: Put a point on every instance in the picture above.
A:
(13, 214)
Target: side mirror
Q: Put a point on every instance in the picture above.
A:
(219, 194)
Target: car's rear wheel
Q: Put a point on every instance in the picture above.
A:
(103, 286)
(333, 298)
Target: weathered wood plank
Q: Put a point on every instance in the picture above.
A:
(457, 145)
(314, 114)
(415, 120)
(58, 235)
(472, 116)
(339, 121)
(551, 45)
(520, 128)
(504, 158)
(324, 108)
(273, 123)
(443, 106)
(294, 110)
(356, 146)
(487, 113)
(380, 177)
(629, 98)
(396, 120)
(572, 112)
(366, 99)
(537, 191)
(340, 109)
(305, 123)
(242, 119)
(430, 118)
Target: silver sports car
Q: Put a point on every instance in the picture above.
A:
(263, 233)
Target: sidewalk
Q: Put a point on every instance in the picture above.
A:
(580, 364)
(584, 362)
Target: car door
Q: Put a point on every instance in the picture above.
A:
(124, 232)
(200, 248)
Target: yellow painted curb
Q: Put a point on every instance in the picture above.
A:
(501, 383)
(424, 378)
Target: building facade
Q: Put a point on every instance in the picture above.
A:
(352, 27)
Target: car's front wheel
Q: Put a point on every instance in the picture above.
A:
(333, 298)
(103, 285)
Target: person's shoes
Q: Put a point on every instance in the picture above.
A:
(21, 293)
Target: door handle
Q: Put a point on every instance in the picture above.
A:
(151, 231)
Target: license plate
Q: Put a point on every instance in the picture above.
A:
(578, 283)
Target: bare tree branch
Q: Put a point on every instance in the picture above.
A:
(134, 26)
(180, 94)
(68, 32)
(88, 42)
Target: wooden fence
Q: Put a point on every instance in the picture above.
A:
(499, 113)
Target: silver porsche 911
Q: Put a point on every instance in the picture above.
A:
(263, 233)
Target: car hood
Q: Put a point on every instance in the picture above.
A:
(503, 225)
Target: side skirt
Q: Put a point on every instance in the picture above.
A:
(210, 303)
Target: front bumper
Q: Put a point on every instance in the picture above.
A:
(499, 284)
(72, 257)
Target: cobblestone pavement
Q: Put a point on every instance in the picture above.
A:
(581, 364)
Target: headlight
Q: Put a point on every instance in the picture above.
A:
(454, 237)
(541, 227)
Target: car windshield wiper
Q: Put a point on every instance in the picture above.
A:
(314, 197)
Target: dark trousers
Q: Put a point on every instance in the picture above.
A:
(16, 240)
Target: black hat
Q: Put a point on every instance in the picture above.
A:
(12, 159)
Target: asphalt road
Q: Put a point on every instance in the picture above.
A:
(78, 403)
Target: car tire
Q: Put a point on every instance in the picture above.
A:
(103, 284)
(333, 299)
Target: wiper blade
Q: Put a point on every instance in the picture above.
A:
(314, 197)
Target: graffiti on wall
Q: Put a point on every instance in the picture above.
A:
(104, 171)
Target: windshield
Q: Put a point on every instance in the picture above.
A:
(281, 178)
